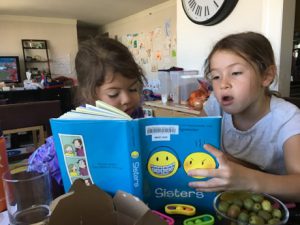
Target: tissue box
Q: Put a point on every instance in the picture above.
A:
(89, 205)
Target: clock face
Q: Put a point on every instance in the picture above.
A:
(208, 12)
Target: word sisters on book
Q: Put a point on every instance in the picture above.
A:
(147, 157)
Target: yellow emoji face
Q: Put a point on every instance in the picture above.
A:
(134, 154)
(199, 160)
(162, 164)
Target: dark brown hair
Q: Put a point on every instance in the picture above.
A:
(253, 47)
(95, 58)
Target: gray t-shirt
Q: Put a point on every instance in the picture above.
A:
(262, 144)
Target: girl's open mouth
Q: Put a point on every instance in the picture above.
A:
(227, 100)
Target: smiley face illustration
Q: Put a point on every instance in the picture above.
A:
(199, 160)
(162, 164)
(134, 154)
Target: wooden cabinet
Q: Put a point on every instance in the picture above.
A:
(170, 109)
(25, 125)
(36, 58)
(65, 95)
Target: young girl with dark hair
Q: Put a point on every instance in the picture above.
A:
(106, 71)
(260, 132)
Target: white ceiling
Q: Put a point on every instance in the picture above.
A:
(97, 12)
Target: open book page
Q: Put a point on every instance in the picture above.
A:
(92, 110)
(100, 111)
(111, 109)
(74, 115)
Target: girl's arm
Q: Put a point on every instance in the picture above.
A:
(233, 176)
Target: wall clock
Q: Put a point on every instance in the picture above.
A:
(208, 12)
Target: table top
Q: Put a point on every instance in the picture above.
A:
(293, 220)
(172, 106)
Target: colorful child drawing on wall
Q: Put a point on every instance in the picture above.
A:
(68, 150)
(78, 147)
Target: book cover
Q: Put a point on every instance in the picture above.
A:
(146, 157)
(171, 147)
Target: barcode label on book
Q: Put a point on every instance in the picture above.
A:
(161, 132)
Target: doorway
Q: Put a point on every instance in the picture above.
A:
(295, 81)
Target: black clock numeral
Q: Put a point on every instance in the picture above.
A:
(216, 4)
(206, 11)
(198, 10)
(192, 4)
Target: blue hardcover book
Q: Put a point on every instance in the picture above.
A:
(146, 157)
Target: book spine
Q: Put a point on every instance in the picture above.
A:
(136, 162)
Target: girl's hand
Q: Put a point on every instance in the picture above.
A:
(229, 175)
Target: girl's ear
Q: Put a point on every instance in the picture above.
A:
(269, 76)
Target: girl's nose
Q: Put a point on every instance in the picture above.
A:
(125, 98)
(225, 82)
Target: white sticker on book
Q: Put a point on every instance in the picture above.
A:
(162, 132)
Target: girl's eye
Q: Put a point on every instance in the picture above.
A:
(113, 95)
(214, 76)
(236, 73)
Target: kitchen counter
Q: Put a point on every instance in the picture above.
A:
(170, 109)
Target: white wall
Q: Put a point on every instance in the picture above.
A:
(155, 30)
(61, 35)
(274, 18)
(266, 16)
